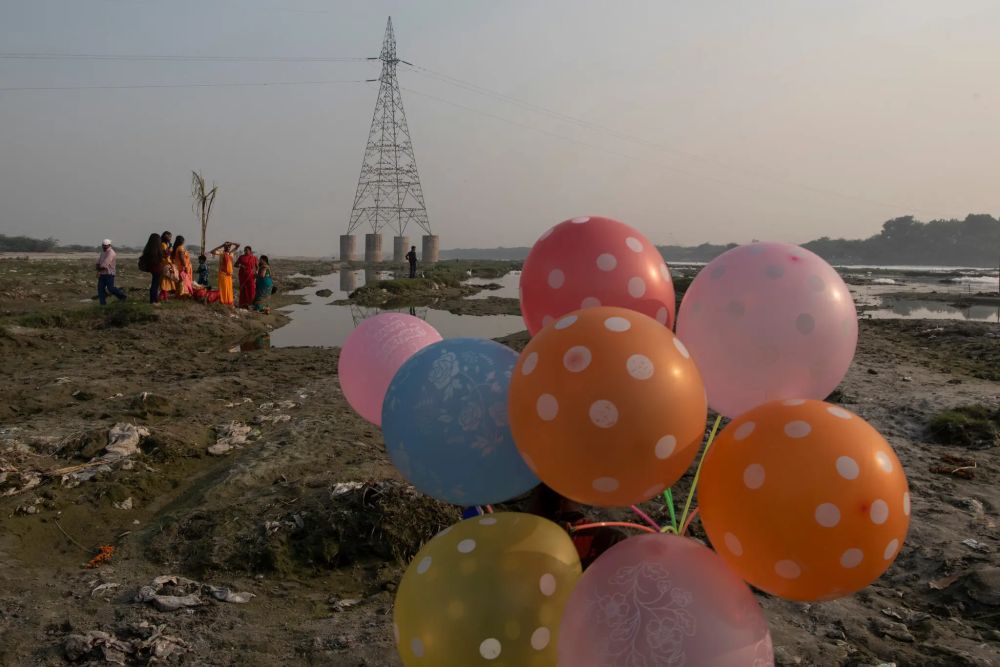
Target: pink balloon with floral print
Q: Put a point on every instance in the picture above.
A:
(660, 599)
(591, 261)
(768, 321)
(372, 354)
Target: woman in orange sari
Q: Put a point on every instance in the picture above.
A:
(225, 254)
(182, 262)
(168, 282)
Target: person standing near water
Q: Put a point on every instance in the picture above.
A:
(182, 263)
(151, 261)
(225, 254)
(248, 277)
(411, 257)
(168, 272)
(106, 274)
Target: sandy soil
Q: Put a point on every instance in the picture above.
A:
(309, 516)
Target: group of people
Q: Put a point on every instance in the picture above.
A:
(168, 262)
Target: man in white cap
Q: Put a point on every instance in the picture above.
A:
(106, 274)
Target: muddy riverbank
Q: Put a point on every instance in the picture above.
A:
(300, 507)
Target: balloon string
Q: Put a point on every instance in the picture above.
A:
(623, 524)
(646, 518)
(668, 496)
(697, 473)
(687, 524)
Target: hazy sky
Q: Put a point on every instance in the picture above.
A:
(722, 121)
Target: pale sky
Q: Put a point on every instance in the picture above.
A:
(722, 121)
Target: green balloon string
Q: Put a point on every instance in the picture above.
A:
(668, 497)
(697, 473)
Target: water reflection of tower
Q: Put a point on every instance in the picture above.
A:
(348, 281)
(362, 313)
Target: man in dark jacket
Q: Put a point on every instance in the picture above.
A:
(411, 257)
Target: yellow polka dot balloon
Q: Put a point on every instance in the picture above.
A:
(487, 591)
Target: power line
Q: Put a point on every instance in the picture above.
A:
(175, 58)
(603, 149)
(529, 106)
(179, 85)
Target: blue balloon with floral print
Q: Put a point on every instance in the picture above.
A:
(444, 419)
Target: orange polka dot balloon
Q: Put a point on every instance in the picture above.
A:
(592, 261)
(804, 500)
(607, 407)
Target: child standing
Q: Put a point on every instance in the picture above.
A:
(203, 271)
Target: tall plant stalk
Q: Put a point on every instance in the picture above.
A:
(203, 202)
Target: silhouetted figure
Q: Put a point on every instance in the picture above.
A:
(411, 257)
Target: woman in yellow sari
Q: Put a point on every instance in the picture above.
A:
(168, 283)
(225, 254)
(182, 262)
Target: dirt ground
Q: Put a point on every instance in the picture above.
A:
(309, 517)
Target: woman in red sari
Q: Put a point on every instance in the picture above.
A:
(248, 276)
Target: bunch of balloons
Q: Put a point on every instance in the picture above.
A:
(607, 406)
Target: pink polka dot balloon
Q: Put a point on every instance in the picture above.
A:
(768, 321)
(591, 261)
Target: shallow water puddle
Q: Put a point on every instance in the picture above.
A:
(318, 324)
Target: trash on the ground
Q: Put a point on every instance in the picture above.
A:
(233, 434)
(341, 488)
(170, 593)
(126, 504)
(341, 605)
(956, 466)
(943, 582)
(13, 481)
(104, 590)
(975, 544)
(142, 643)
(123, 440)
(272, 419)
(242, 401)
(100, 559)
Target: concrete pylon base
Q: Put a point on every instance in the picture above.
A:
(431, 253)
(400, 246)
(348, 250)
(373, 248)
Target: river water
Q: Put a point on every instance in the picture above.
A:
(317, 323)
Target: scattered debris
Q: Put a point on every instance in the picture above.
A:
(126, 504)
(943, 582)
(13, 481)
(272, 419)
(104, 590)
(170, 593)
(242, 401)
(150, 644)
(123, 440)
(233, 434)
(341, 605)
(341, 488)
(956, 466)
(975, 544)
(100, 559)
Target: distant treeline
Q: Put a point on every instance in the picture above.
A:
(28, 244)
(974, 241)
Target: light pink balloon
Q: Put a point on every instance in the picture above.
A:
(373, 353)
(768, 321)
(662, 600)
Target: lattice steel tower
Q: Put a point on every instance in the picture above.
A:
(389, 192)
